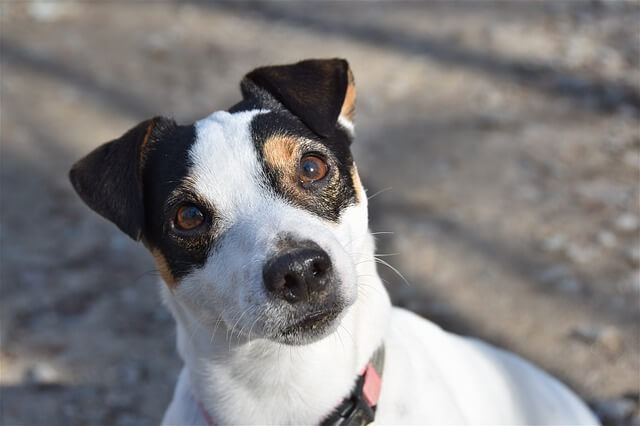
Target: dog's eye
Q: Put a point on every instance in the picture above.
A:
(188, 217)
(312, 169)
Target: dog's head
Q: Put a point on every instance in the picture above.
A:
(255, 216)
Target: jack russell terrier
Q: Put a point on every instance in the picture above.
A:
(257, 221)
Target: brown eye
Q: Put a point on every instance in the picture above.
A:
(188, 217)
(312, 169)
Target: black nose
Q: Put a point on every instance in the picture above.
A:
(299, 273)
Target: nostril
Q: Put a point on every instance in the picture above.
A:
(318, 269)
(290, 282)
(293, 288)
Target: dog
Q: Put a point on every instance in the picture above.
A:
(257, 221)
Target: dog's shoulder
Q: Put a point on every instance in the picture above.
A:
(445, 378)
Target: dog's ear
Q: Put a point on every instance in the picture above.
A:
(109, 179)
(318, 91)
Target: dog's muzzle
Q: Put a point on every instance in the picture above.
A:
(300, 272)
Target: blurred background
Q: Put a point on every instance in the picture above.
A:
(499, 142)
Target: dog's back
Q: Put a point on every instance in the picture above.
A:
(435, 377)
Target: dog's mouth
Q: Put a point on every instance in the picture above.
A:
(312, 322)
(310, 326)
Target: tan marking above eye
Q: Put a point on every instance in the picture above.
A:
(312, 169)
(281, 152)
(188, 217)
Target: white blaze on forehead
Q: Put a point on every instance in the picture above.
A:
(225, 168)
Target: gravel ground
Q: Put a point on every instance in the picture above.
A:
(499, 141)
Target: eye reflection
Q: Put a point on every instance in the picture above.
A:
(312, 168)
(188, 217)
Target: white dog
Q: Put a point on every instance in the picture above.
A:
(257, 221)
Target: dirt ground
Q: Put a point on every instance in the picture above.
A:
(499, 142)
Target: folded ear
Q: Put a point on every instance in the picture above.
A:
(109, 179)
(317, 91)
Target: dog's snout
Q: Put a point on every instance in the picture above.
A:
(298, 273)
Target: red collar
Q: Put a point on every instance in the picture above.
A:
(205, 415)
(359, 407)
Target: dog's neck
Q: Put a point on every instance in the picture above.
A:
(243, 381)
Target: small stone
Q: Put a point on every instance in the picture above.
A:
(44, 11)
(614, 144)
(529, 193)
(611, 340)
(126, 419)
(586, 333)
(632, 282)
(607, 239)
(130, 295)
(33, 278)
(70, 409)
(580, 254)
(628, 110)
(554, 273)
(626, 223)
(561, 277)
(632, 159)
(442, 166)
(569, 285)
(118, 400)
(632, 254)
(614, 411)
(131, 373)
(606, 337)
(555, 243)
(157, 44)
(41, 374)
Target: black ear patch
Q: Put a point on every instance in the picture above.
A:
(314, 90)
(109, 179)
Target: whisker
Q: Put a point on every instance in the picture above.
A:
(253, 325)
(337, 334)
(152, 272)
(348, 333)
(240, 332)
(375, 194)
(375, 254)
(385, 263)
(238, 321)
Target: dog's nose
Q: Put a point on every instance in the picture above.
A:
(298, 273)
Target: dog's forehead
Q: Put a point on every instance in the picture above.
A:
(224, 161)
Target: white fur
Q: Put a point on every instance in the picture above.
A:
(430, 377)
(347, 125)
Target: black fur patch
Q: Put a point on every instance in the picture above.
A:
(326, 199)
(166, 189)
(109, 178)
(314, 90)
